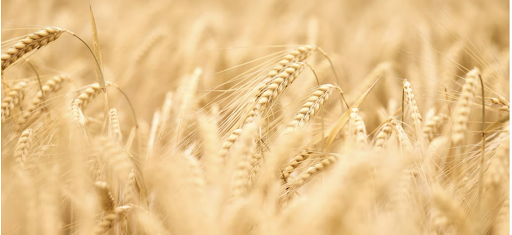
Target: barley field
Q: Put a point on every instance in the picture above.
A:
(255, 117)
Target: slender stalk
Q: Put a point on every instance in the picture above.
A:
(482, 157)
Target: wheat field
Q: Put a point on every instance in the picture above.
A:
(255, 117)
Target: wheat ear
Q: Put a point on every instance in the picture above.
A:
(357, 128)
(289, 61)
(13, 98)
(382, 136)
(284, 73)
(106, 223)
(130, 190)
(105, 197)
(463, 108)
(295, 56)
(76, 114)
(308, 174)
(29, 43)
(52, 85)
(255, 162)
(295, 162)
(400, 134)
(21, 149)
(224, 149)
(309, 109)
(115, 127)
(241, 156)
(501, 103)
(433, 126)
(81, 101)
(274, 88)
(87, 95)
(413, 107)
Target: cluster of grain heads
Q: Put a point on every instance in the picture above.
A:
(274, 88)
(268, 91)
(266, 177)
(287, 65)
(29, 43)
(312, 106)
(12, 100)
(295, 56)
